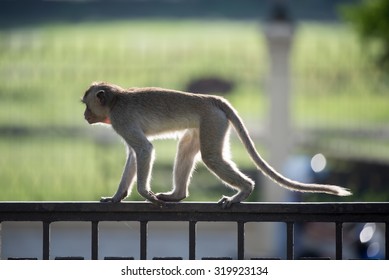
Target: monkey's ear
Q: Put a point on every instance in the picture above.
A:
(101, 97)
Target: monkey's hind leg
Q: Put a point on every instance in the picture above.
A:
(188, 148)
(214, 145)
(230, 175)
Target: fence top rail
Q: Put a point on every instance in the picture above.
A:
(205, 207)
(192, 211)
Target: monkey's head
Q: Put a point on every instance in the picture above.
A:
(99, 100)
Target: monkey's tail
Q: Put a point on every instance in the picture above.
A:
(265, 167)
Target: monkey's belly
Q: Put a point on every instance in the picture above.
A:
(167, 127)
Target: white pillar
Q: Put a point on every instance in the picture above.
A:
(278, 133)
(279, 35)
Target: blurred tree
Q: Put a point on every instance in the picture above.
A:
(371, 20)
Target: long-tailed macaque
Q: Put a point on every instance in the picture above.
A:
(141, 114)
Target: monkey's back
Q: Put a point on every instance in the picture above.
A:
(162, 111)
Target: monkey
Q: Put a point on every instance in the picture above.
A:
(140, 115)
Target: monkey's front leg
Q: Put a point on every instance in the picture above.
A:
(145, 158)
(127, 180)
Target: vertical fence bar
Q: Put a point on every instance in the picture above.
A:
(339, 240)
(192, 240)
(143, 240)
(95, 240)
(46, 240)
(240, 240)
(387, 240)
(289, 240)
(1, 253)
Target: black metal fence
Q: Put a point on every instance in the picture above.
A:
(288, 213)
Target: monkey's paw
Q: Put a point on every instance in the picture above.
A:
(225, 202)
(151, 197)
(157, 202)
(169, 197)
(109, 200)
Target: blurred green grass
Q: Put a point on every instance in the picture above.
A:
(45, 69)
